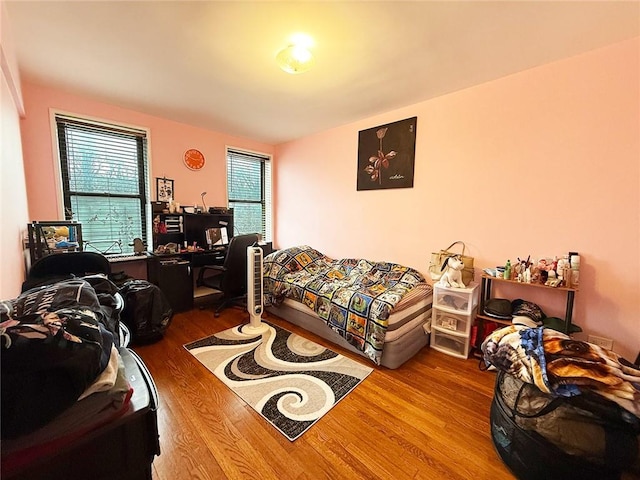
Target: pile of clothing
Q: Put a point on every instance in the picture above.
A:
(59, 345)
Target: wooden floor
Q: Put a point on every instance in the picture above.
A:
(429, 419)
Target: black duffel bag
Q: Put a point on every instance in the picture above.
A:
(146, 312)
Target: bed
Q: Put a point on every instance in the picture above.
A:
(379, 310)
(61, 340)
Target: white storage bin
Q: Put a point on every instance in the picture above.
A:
(446, 320)
(456, 300)
(450, 343)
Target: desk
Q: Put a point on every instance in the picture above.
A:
(174, 274)
(215, 256)
(134, 266)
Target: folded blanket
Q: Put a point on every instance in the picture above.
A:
(107, 379)
(559, 365)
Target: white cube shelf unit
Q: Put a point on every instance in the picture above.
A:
(454, 310)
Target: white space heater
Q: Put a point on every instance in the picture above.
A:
(255, 302)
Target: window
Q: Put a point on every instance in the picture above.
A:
(104, 182)
(249, 190)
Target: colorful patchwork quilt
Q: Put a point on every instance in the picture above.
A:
(353, 296)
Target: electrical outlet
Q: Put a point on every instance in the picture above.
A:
(601, 341)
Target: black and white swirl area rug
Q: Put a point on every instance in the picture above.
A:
(291, 381)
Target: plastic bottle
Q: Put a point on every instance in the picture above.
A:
(507, 270)
(575, 262)
(575, 270)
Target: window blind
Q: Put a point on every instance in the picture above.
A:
(104, 182)
(249, 192)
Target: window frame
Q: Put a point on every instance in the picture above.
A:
(267, 203)
(144, 163)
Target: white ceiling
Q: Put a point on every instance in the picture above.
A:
(211, 64)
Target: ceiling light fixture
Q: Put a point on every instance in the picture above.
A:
(296, 58)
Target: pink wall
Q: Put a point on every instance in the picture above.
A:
(13, 193)
(541, 162)
(169, 141)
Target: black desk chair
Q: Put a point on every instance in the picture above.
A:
(63, 266)
(231, 277)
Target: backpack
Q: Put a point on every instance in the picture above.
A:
(147, 312)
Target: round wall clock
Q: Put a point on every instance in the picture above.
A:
(194, 159)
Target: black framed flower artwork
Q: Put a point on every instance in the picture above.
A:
(386, 155)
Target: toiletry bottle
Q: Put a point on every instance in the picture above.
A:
(507, 270)
(575, 270)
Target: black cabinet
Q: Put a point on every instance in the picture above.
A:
(173, 276)
(190, 228)
(197, 224)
